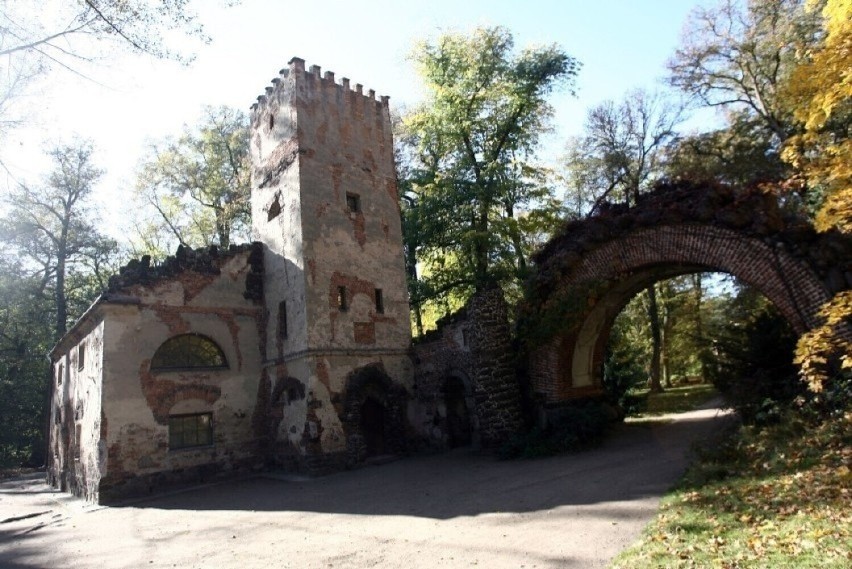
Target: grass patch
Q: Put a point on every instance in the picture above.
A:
(672, 400)
(777, 497)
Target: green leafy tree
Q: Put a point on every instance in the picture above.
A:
(479, 200)
(26, 335)
(197, 187)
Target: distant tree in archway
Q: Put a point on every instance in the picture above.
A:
(617, 158)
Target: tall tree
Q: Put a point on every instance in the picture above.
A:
(473, 144)
(198, 186)
(49, 227)
(737, 55)
(618, 157)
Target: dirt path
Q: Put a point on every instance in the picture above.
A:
(452, 510)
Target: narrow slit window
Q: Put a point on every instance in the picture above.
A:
(271, 121)
(380, 302)
(341, 298)
(81, 356)
(353, 202)
(59, 374)
(282, 319)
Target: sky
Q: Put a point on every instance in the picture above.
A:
(129, 102)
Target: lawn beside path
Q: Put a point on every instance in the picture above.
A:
(780, 496)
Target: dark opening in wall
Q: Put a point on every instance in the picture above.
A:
(81, 356)
(274, 209)
(353, 202)
(59, 374)
(373, 426)
(271, 121)
(380, 302)
(458, 416)
(342, 303)
(282, 319)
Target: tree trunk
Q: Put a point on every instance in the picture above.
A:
(699, 326)
(481, 248)
(656, 338)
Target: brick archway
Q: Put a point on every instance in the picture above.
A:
(587, 274)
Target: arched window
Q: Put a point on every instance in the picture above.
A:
(188, 352)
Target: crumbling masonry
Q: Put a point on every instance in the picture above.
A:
(295, 351)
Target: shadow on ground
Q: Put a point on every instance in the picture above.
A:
(636, 460)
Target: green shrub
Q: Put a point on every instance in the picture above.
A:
(569, 429)
(755, 370)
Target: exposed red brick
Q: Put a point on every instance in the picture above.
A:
(365, 332)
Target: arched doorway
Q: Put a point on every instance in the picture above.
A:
(373, 415)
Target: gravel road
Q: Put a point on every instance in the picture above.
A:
(458, 509)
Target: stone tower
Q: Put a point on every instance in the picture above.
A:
(325, 207)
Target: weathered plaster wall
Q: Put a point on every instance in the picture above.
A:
(77, 455)
(139, 400)
(316, 143)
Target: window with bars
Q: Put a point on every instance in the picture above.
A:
(188, 352)
(191, 430)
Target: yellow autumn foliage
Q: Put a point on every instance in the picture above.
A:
(820, 94)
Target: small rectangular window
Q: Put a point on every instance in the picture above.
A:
(59, 374)
(193, 430)
(341, 298)
(282, 319)
(465, 339)
(380, 302)
(81, 356)
(353, 202)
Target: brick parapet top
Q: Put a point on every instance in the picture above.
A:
(206, 260)
(296, 70)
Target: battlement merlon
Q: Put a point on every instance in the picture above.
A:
(296, 72)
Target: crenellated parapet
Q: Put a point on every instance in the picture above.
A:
(296, 79)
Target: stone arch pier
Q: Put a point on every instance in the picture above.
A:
(590, 270)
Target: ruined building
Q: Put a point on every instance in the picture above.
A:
(293, 351)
